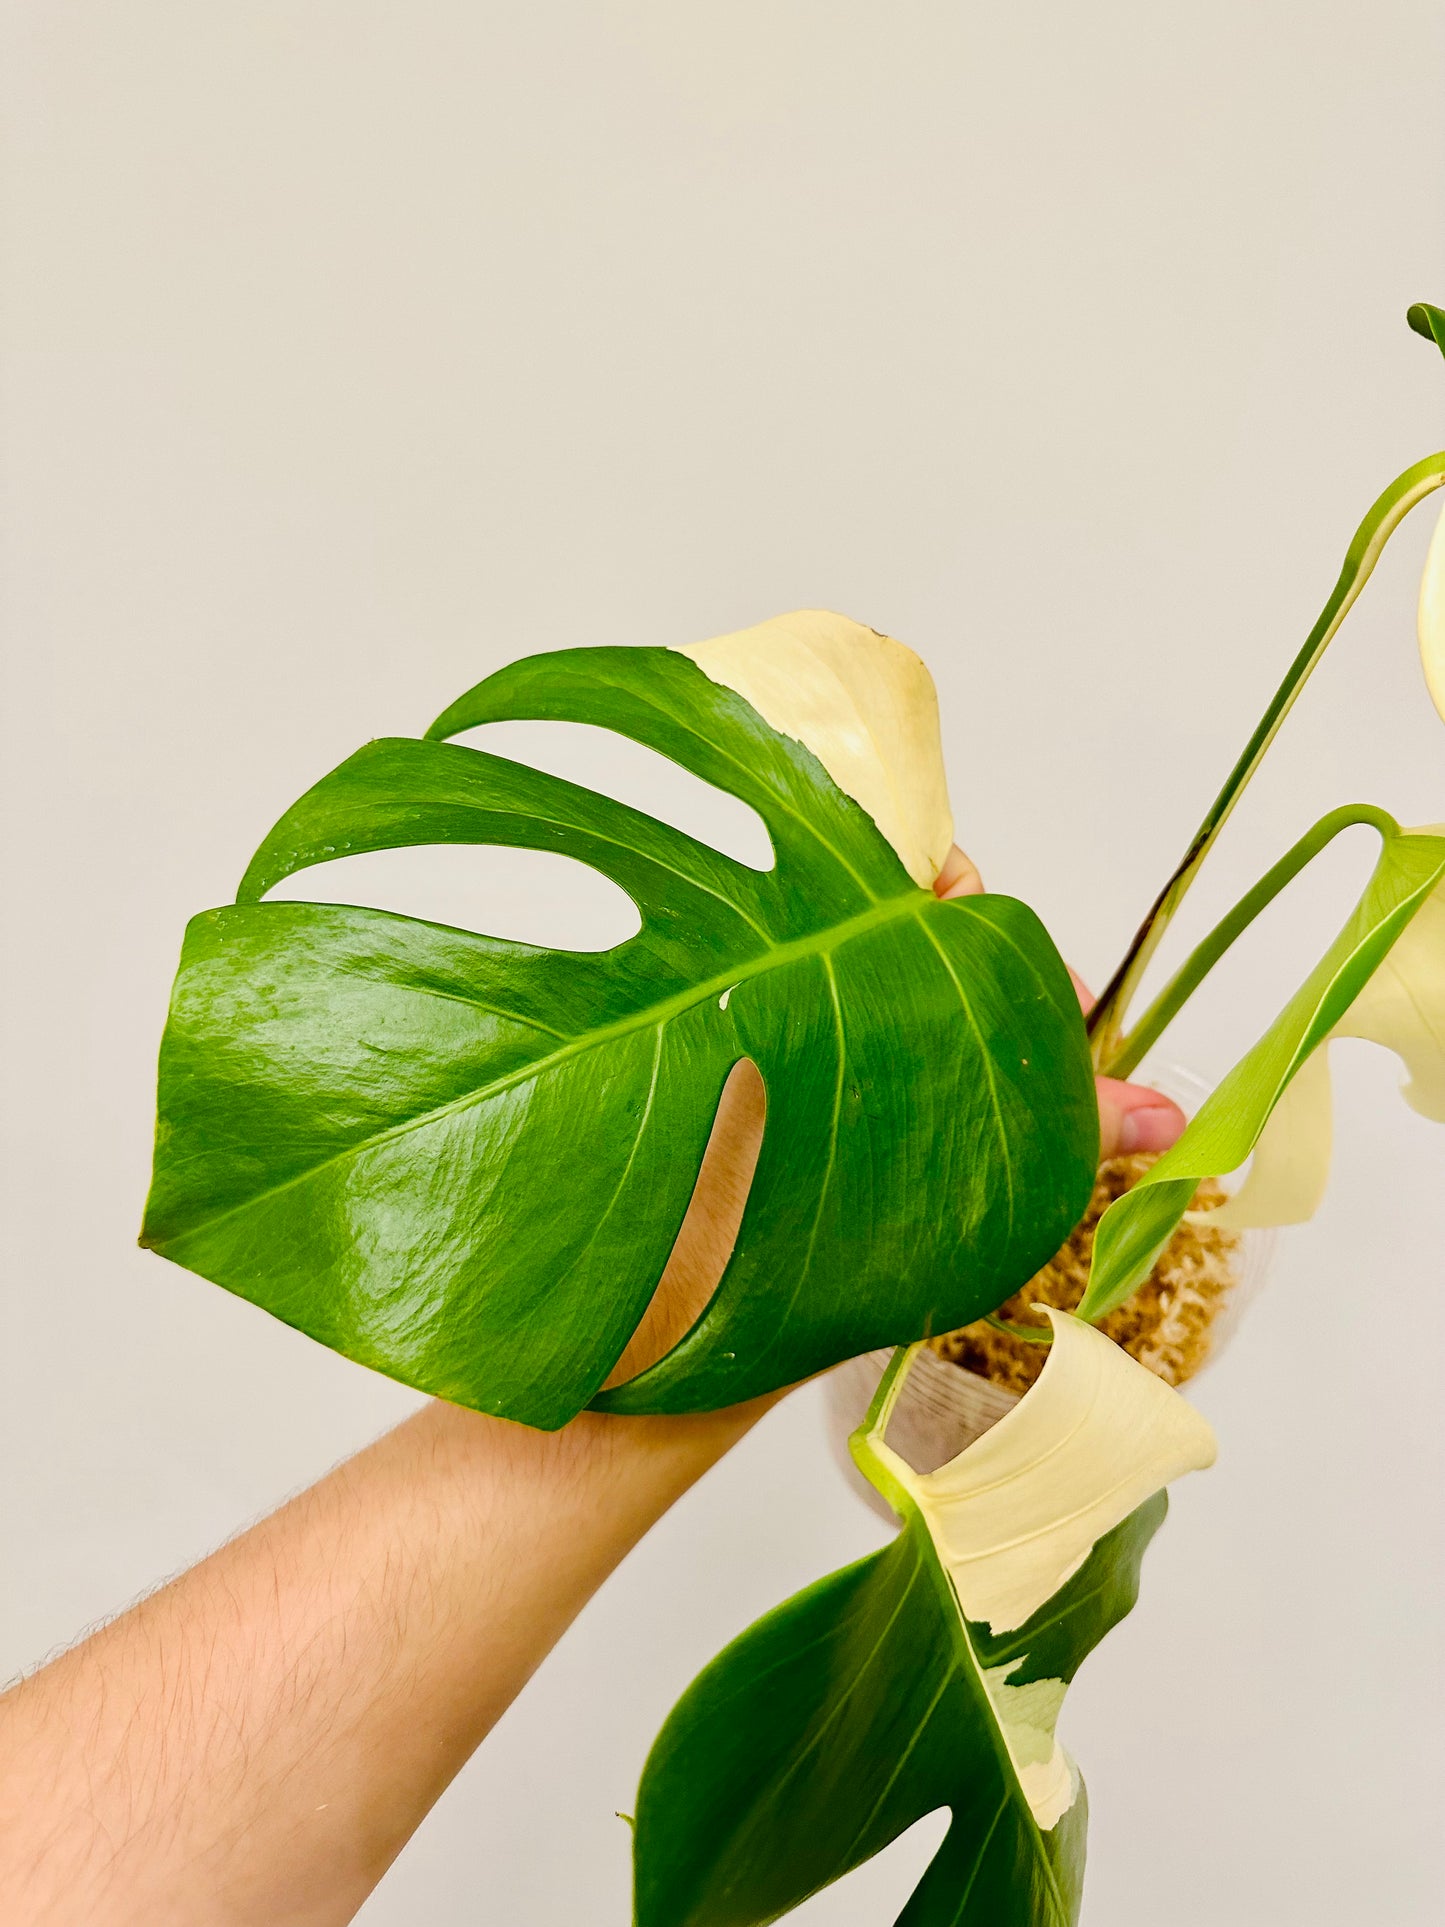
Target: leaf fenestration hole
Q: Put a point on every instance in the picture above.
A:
(879, 1889)
(709, 1229)
(528, 896)
(615, 766)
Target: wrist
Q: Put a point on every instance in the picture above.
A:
(656, 1457)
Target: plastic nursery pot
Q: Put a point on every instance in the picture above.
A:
(946, 1405)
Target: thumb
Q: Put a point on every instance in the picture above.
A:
(1134, 1118)
(1131, 1116)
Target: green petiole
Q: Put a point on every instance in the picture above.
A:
(1206, 954)
(1106, 1021)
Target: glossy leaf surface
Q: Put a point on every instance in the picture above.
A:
(1233, 1118)
(464, 1161)
(929, 1675)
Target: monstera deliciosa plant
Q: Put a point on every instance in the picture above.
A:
(361, 1116)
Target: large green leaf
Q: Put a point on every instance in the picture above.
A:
(464, 1161)
(929, 1675)
(1231, 1121)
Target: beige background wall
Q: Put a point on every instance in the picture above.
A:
(355, 348)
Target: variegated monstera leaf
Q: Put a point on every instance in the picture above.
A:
(465, 1161)
(1383, 978)
(928, 1675)
(1402, 1007)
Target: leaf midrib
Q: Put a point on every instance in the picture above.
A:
(776, 957)
(774, 792)
(973, 1666)
(970, 1666)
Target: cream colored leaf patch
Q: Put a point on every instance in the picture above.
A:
(1402, 1007)
(864, 705)
(1018, 1512)
(1432, 617)
(1027, 1716)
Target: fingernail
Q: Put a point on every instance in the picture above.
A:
(1153, 1127)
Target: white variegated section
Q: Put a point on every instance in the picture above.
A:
(1016, 1514)
(1027, 1716)
(1432, 617)
(864, 705)
(1403, 1004)
(1401, 1007)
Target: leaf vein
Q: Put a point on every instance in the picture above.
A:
(1005, 1144)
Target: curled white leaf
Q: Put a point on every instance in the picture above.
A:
(1432, 617)
(1019, 1511)
(1014, 1516)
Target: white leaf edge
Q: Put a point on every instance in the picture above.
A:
(1402, 1008)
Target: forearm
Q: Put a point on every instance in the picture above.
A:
(256, 1742)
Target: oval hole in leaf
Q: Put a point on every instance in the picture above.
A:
(710, 1225)
(879, 1889)
(529, 896)
(616, 766)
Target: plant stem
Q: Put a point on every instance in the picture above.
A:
(1106, 1020)
(868, 1446)
(1197, 966)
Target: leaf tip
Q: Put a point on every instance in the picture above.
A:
(1427, 320)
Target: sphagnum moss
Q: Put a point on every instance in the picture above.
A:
(1167, 1324)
